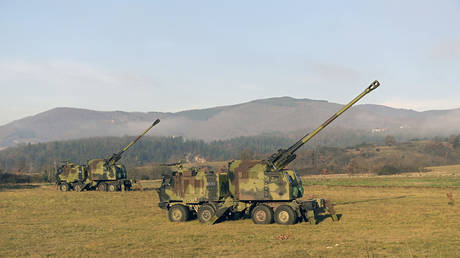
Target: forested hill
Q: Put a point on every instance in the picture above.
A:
(279, 116)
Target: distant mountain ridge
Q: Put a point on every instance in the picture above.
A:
(281, 115)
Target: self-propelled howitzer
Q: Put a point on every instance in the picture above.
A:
(101, 174)
(262, 189)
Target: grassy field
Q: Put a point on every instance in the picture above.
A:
(441, 177)
(403, 216)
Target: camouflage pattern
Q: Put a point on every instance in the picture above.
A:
(70, 172)
(241, 189)
(262, 189)
(95, 175)
(114, 175)
(70, 176)
(244, 181)
(253, 180)
(100, 174)
(100, 170)
(194, 186)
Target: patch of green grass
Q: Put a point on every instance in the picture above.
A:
(395, 181)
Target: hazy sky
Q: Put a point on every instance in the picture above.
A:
(177, 55)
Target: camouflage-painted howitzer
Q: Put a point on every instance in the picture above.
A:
(101, 174)
(261, 189)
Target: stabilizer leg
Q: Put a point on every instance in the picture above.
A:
(222, 210)
(311, 216)
(330, 209)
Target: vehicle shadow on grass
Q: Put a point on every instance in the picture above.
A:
(7, 187)
(144, 189)
(318, 218)
(372, 200)
(321, 218)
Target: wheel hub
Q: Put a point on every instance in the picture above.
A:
(177, 215)
(206, 215)
(260, 215)
(283, 216)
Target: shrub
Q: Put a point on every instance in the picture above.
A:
(388, 170)
(7, 178)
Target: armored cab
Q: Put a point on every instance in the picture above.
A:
(262, 189)
(194, 186)
(200, 189)
(69, 175)
(101, 174)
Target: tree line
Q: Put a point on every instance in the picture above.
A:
(382, 156)
(36, 158)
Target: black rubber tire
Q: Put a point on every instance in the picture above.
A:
(205, 213)
(178, 213)
(102, 187)
(262, 214)
(64, 187)
(285, 215)
(112, 188)
(77, 187)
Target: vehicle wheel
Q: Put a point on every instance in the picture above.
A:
(112, 188)
(262, 214)
(178, 213)
(285, 215)
(77, 187)
(64, 187)
(102, 187)
(205, 213)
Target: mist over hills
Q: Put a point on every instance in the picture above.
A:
(280, 116)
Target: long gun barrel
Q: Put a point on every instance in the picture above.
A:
(282, 158)
(179, 163)
(117, 156)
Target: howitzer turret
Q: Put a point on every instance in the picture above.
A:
(117, 156)
(282, 158)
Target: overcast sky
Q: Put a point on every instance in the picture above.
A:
(178, 55)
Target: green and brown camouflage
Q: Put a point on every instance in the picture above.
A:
(194, 186)
(252, 180)
(70, 174)
(101, 174)
(108, 176)
(262, 189)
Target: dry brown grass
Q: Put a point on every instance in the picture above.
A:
(394, 221)
(452, 170)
